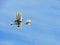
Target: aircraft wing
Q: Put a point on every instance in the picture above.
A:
(19, 17)
(14, 23)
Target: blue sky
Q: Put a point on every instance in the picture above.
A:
(45, 27)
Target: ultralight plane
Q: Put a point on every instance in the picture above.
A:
(19, 21)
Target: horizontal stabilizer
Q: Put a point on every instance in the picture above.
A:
(28, 22)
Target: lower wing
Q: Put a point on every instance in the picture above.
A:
(13, 23)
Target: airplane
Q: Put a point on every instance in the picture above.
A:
(19, 20)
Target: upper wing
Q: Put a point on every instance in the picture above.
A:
(19, 17)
